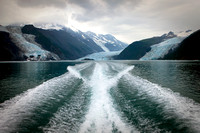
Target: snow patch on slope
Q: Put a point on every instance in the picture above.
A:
(49, 26)
(101, 43)
(98, 40)
(74, 29)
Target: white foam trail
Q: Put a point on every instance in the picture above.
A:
(145, 124)
(119, 75)
(14, 110)
(117, 66)
(186, 109)
(102, 117)
(69, 117)
(74, 72)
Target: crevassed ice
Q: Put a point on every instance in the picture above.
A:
(159, 50)
(24, 43)
(29, 48)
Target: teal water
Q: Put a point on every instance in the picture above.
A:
(113, 96)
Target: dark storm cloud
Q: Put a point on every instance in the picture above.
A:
(86, 4)
(117, 3)
(103, 8)
(42, 3)
(92, 9)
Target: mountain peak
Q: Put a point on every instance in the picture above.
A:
(29, 26)
(169, 35)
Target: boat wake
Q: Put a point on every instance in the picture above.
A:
(99, 97)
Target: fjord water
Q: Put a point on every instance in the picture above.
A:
(104, 96)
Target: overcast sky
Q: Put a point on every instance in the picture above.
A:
(127, 20)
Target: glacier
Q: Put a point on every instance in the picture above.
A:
(159, 50)
(101, 55)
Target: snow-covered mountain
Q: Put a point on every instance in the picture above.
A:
(82, 37)
(107, 42)
(51, 42)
